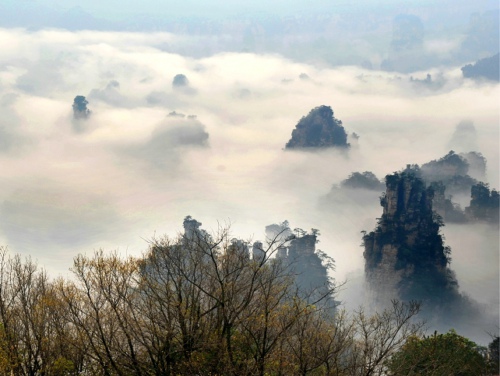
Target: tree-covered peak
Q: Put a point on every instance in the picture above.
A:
(318, 129)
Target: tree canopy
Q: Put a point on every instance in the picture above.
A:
(439, 354)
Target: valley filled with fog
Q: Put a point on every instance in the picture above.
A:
(211, 144)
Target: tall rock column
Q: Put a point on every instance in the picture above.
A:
(404, 256)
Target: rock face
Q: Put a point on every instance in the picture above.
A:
(405, 257)
(319, 129)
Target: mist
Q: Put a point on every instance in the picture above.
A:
(132, 170)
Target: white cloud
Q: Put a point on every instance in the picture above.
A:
(101, 181)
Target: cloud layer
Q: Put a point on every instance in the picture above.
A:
(132, 170)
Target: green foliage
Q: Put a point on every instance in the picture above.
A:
(439, 354)
(62, 367)
(494, 355)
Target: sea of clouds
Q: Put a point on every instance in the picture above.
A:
(131, 170)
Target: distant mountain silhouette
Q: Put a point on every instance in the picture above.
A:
(486, 68)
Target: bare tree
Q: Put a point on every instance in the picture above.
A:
(33, 331)
(378, 337)
(196, 304)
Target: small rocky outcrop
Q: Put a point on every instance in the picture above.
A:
(405, 256)
(180, 80)
(193, 231)
(319, 129)
(80, 110)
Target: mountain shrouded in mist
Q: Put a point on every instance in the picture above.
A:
(80, 110)
(191, 106)
(406, 49)
(363, 180)
(487, 68)
(296, 251)
(405, 256)
(452, 170)
(309, 265)
(319, 129)
(449, 175)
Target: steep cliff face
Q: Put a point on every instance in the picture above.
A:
(405, 257)
(319, 129)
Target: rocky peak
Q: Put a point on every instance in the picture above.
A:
(405, 256)
(406, 197)
(319, 129)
